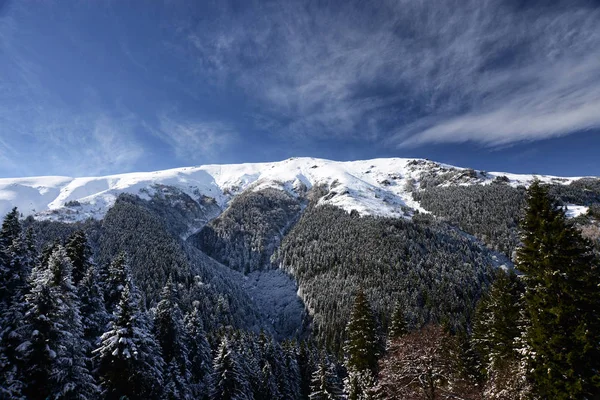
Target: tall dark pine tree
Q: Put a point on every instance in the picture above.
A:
(496, 323)
(53, 350)
(16, 259)
(398, 326)
(169, 333)
(80, 254)
(118, 274)
(227, 381)
(94, 316)
(362, 349)
(325, 384)
(562, 302)
(199, 353)
(130, 363)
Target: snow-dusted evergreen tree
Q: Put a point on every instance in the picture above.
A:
(118, 274)
(398, 326)
(16, 258)
(130, 363)
(169, 333)
(80, 254)
(53, 349)
(496, 333)
(362, 349)
(228, 381)
(562, 301)
(325, 384)
(93, 312)
(199, 353)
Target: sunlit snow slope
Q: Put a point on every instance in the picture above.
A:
(375, 187)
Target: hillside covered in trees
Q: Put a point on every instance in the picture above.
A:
(492, 294)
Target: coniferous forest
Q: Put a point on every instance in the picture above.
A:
(496, 295)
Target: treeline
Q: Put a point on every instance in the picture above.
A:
(435, 271)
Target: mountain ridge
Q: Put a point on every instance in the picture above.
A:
(380, 187)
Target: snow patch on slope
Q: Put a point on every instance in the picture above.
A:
(371, 187)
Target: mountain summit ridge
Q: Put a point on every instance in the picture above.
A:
(379, 186)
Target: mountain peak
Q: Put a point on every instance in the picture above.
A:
(371, 187)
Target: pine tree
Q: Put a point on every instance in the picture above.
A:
(53, 351)
(199, 352)
(94, 316)
(362, 348)
(129, 360)
(324, 383)
(16, 258)
(118, 274)
(228, 382)
(168, 330)
(562, 301)
(398, 327)
(80, 254)
(496, 323)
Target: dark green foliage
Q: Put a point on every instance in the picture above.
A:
(16, 259)
(562, 302)
(585, 191)
(52, 355)
(228, 380)
(325, 384)
(434, 270)
(129, 360)
(199, 353)
(398, 324)
(362, 347)
(170, 335)
(491, 213)
(154, 254)
(247, 233)
(496, 327)
(80, 253)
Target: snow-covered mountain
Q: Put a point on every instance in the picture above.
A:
(371, 187)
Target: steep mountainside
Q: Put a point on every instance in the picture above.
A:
(285, 246)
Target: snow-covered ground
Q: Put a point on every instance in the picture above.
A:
(373, 187)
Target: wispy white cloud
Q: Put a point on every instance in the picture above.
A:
(93, 144)
(193, 140)
(410, 72)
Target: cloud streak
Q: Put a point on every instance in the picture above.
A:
(410, 73)
(193, 139)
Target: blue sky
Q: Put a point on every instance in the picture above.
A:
(103, 87)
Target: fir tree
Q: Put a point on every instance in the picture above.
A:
(93, 312)
(53, 350)
(398, 327)
(129, 360)
(199, 352)
(168, 330)
(324, 383)
(80, 254)
(496, 322)
(361, 348)
(228, 382)
(16, 259)
(118, 274)
(562, 302)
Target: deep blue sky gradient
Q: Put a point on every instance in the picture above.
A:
(104, 87)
